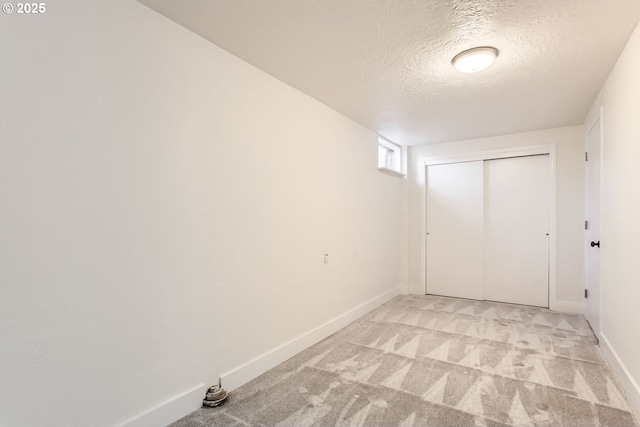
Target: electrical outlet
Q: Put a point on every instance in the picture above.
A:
(326, 258)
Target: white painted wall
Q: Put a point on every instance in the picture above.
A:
(569, 197)
(620, 229)
(164, 211)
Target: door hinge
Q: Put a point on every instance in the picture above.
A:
(586, 225)
(586, 293)
(586, 156)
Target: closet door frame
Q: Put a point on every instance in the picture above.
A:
(503, 153)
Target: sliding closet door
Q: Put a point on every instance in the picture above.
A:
(516, 240)
(454, 230)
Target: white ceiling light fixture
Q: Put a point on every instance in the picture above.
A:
(475, 59)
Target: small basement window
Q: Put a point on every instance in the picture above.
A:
(389, 157)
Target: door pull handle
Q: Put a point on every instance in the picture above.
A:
(595, 244)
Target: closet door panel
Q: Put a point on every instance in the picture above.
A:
(516, 227)
(454, 250)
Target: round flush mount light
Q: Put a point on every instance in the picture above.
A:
(475, 59)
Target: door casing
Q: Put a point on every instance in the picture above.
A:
(593, 210)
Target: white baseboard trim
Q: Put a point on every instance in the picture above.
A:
(404, 290)
(416, 290)
(252, 369)
(170, 410)
(631, 387)
(567, 307)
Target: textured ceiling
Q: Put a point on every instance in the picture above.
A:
(387, 63)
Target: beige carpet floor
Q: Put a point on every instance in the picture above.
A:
(435, 361)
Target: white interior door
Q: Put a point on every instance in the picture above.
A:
(454, 230)
(593, 227)
(516, 227)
